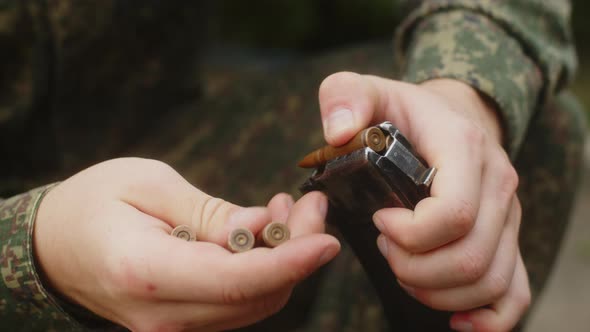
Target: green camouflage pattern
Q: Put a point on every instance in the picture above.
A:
(518, 52)
(549, 166)
(77, 71)
(24, 302)
(237, 131)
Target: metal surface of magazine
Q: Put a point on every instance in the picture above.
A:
(358, 184)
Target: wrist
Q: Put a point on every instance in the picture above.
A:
(45, 247)
(470, 103)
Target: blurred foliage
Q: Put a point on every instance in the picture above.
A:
(317, 25)
(321, 24)
(581, 25)
(581, 86)
(303, 25)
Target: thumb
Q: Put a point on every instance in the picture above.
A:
(349, 102)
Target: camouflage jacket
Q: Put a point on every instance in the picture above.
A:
(517, 52)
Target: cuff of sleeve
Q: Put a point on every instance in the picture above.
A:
(23, 291)
(470, 47)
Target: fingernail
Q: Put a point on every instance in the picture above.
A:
(327, 255)
(339, 121)
(382, 245)
(462, 325)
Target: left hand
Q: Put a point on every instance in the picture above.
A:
(102, 241)
(458, 250)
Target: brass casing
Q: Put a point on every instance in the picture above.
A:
(240, 240)
(183, 232)
(274, 234)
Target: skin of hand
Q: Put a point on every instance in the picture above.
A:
(102, 240)
(458, 250)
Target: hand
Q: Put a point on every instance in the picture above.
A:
(102, 239)
(458, 250)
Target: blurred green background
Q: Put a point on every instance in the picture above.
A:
(311, 26)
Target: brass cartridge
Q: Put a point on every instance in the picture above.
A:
(240, 239)
(183, 232)
(371, 137)
(273, 234)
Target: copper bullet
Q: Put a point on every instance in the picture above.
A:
(371, 137)
(240, 239)
(274, 234)
(183, 232)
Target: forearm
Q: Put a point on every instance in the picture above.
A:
(519, 52)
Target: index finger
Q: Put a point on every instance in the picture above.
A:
(449, 213)
(451, 144)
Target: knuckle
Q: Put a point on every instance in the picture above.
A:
(508, 181)
(472, 139)
(298, 274)
(410, 242)
(139, 175)
(403, 268)
(472, 133)
(233, 294)
(464, 218)
(471, 265)
(157, 167)
(151, 173)
(496, 286)
(208, 211)
(136, 162)
(428, 299)
(270, 306)
(281, 197)
(523, 299)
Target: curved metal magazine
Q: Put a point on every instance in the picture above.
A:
(357, 185)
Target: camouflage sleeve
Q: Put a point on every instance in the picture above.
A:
(25, 304)
(517, 52)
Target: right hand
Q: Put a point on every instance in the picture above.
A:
(458, 249)
(102, 240)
